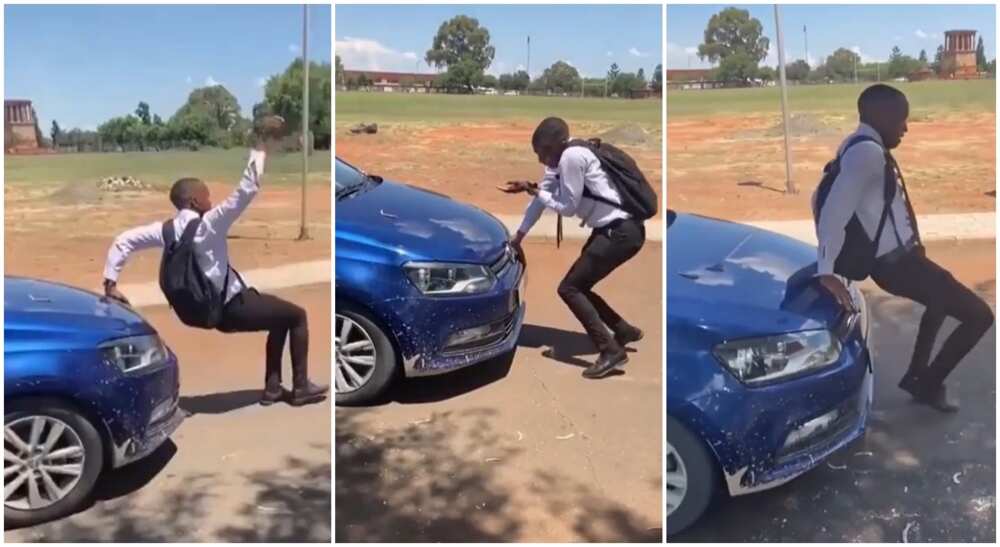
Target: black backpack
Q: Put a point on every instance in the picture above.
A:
(856, 260)
(638, 197)
(189, 291)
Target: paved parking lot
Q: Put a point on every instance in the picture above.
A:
(918, 475)
(522, 448)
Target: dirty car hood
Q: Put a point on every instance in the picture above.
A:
(416, 224)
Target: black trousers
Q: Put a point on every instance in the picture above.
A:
(251, 311)
(918, 278)
(606, 249)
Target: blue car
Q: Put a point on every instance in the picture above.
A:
(767, 374)
(424, 285)
(88, 386)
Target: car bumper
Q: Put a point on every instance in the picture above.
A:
(426, 352)
(147, 430)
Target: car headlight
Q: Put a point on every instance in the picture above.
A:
(758, 360)
(135, 352)
(443, 279)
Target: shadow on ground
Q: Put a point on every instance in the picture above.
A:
(291, 504)
(439, 480)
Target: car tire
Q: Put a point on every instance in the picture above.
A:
(386, 366)
(56, 412)
(688, 455)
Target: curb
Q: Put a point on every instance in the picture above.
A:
(932, 227)
(546, 227)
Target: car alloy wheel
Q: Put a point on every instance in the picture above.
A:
(43, 461)
(356, 355)
(677, 479)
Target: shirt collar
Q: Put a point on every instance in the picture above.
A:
(188, 214)
(869, 131)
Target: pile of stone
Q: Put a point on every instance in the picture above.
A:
(121, 184)
(364, 129)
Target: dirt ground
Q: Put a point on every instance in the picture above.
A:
(234, 471)
(733, 167)
(521, 448)
(467, 161)
(917, 475)
(63, 234)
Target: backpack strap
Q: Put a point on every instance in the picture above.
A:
(168, 233)
(593, 144)
(857, 139)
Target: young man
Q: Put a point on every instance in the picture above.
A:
(902, 267)
(246, 309)
(616, 236)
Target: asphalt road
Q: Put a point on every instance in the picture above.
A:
(521, 448)
(917, 475)
(234, 471)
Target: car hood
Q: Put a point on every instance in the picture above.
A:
(415, 224)
(743, 281)
(50, 310)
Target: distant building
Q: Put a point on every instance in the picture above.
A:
(389, 81)
(19, 126)
(959, 59)
(692, 78)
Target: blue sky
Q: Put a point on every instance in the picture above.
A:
(872, 30)
(591, 37)
(82, 65)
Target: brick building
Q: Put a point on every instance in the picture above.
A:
(959, 59)
(19, 126)
(391, 81)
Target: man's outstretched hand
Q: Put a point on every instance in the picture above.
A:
(518, 186)
(835, 287)
(111, 291)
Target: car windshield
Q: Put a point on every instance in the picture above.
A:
(351, 180)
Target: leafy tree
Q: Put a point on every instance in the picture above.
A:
(734, 40)
(39, 138)
(841, 63)
(56, 133)
(142, 112)
(613, 72)
(517, 81)
(797, 71)
(215, 101)
(463, 47)
(658, 77)
(157, 120)
(980, 55)
(901, 66)
(561, 77)
(490, 81)
(991, 67)
(641, 75)
(938, 58)
(768, 74)
(625, 83)
(923, 57)
(283, 96)
(339, 70)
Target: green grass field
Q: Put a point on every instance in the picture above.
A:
(931, 97)
(353, 107)
(159, 168)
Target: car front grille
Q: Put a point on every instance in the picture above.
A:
(499, 331)
(500, 265)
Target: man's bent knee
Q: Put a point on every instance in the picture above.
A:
(567, 290)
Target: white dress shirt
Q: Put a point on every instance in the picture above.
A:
(561, 190)
(210, 238)
(860, 188)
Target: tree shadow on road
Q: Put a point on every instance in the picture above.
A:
(447, 386)
(441, 479)
(290, 504)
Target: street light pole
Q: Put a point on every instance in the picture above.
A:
(303, 228)
(789, 185)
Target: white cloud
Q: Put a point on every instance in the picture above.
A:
(262, 81)
(520, 67)
(679, 56)
(210, 81)
(926, 35)
(611, 54)
(920, 34)
(189, 80)
(865, 58)
(293, 48)
(367, 54)
(636, 53)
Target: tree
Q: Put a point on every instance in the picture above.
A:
(840, 65)
(902, 66)
(734, 40)
(797, 71)
(283, 96)
(217, 102)
(923, 57)
(39, 138)
(658, 78)
(490, 81)
(991, 67)
(980, 56)
(613, 72)
(463, 47)
(561, 77)
(641, 75)
(157, 120)
(517, 81)
(339, 70)
(55, 133)
(938, 57)
(768, 74)
(142, 112)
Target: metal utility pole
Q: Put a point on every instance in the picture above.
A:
(806, 34)
(303, 228)
(855, 57)
(789, 185)
(528, 64)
